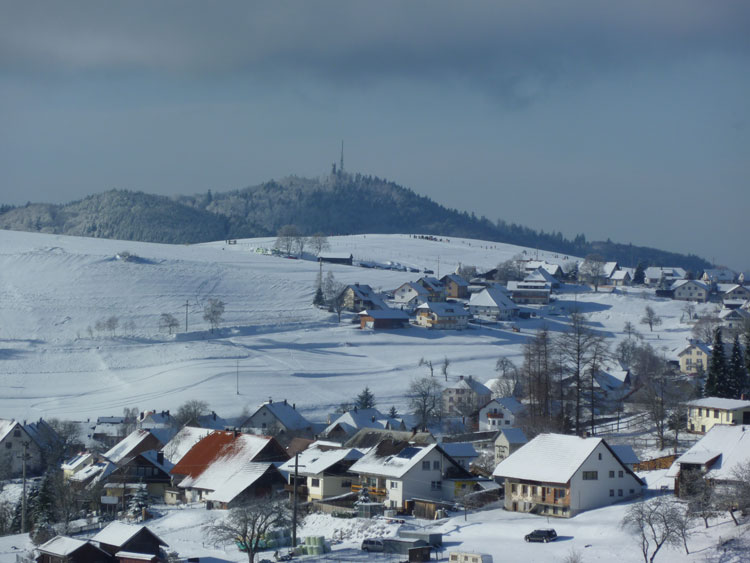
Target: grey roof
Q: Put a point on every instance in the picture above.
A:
(514, 435)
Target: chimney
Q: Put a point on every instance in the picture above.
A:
(461, 377)
(372, 419)
(270, 400)
(294, 406)
(285, 401)
(235, 433)
(214, 414)
(160, 458)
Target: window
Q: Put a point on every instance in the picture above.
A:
(700, 412)
(315, 482)
(346, 484)
(620, 474)
(394, 484)
(611, 492)
(513, 489)
(16, 433)
(425, 466)
(436, 464)
(8, 445)
(632, 491)
(611, 474)
(590, 475)
(619, 492)
(524, 489)
(716, 413)
(600, 457)
(436, 485)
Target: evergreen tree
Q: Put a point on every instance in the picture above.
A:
(736, 380)
(319, 300)
(365, 400)
(716, 384)
(639, 276)
(747, 358)
(393, 413)
(42, 506)
(139, 501)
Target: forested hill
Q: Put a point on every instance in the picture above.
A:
(335, 205)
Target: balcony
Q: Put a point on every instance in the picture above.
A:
(375, 491)
(550, 500)
(301, 489)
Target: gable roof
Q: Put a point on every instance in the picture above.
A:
(395, 459)
(181, 443)
(418, 289)
(550, 458)
(509, 403)
(385, 313)
(442, 309)
(6, 425)
(459, 449)
(119, 533)
(702, 346)
(355, 419)
(492, 297)
(729, 445)
(680, 283)
(719, 403)
(455, 278)
(364, 292)
(314, 460)
(369, 437)
(226, 482)
(224, 448)
(285, 413)
(431, 283)
(43, 434)
(471, 384)
(130, 445)
(656, 272)
(64, 546)
(514, 435)
(621, 274)
(626, 454)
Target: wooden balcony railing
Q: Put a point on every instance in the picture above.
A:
(376, 491)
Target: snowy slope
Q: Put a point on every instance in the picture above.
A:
(53, 288)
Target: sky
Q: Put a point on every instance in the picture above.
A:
(621, 120)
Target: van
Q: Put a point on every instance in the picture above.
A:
(375, 544)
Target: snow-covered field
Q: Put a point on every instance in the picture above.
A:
(54, 289)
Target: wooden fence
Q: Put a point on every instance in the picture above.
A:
(664, 462)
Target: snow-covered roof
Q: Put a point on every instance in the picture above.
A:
(181, 443)
(727, 287)
(626, 454)
(459, 449)
(225, 485)
(705, 348)
(443, 309)
(431, 283)
(384, 460)
(492, 297)
(455, 278)
(514, 435)
(719, 274)
(6, 426)
(75, 462)
(363, 418)
(609, 268)
(470, 383)
(680, 283)
(62, 546)
(97, 471)
(730, 444)
(314, 461)
(286, 414)
(621, 274)
(725, 314)
(127, 445)
(541, 275)
(719, 403)
(656, 272)
(385, 313)
(510, 404)
(551, 458)
(521, 286)
(418, 289)
(134, 555)
(118, 533)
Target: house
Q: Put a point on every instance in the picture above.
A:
(529, 292)
(379, 319)
(468, 557)
(76, 463)
(443, 316)
(121, 537)
(455, 286)
(358, 297)
(480, 440)
(347, 424)
(226, 467)
(713, 276)
(48, 440)
(690, 290)
(465, 397)
(614, 380)
(463, 453)
(323, 471)
(62, 549)
(733, 292)
(410, 294)
(434, 287)
(492, 302)
(626, 454)
(656, 275)
(336, 258)
(540, 275)
(718, 456)
(136, 442)
(622, 277)
(703, 414)
(733, 320)
(109, 430)
(396, 473)
(560, 475)
(507, 442)
(132, 473)
(500, 413)
(14, 442)
(278, 418)
(370, 437)
(694, 357)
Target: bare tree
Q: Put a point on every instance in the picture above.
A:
(650, 318)
(511, 270)
(705, 328)
(213, 312)
(656, 523)
(319, 243)
(592, 269)
(689, 310)
(445, 366)
(428, 363)
(168, 321)
(573, 350)
(630, 331)
(425, 400)
(248, 523)
(189, 411)
(300, 241)
(286, 239)
(740, 487)
(333, 292)
(508, 383)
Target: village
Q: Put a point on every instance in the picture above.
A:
(538, 436)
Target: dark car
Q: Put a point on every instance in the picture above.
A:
(542, 535)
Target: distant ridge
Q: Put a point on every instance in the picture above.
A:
(337, 204)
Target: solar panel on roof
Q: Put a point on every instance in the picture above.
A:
(408, 453)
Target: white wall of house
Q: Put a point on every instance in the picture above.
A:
(691, 292)
(495, 417)
(324, 486)
(612, 484)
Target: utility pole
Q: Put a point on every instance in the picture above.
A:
(438, 268)
(238, 376)
(25, 444)
(186, 314)
(294, 504)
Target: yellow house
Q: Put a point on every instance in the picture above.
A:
(703, 414)
(694, 357)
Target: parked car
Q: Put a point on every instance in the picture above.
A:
(373, 544)
(542, 535)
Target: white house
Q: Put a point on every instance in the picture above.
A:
(507, 443)
(443, 316)
(655, 275)
(347, 424)
(529, 292)
(410, 294)
(500, 413)
(492, 302)
(323, 471)
(690, 290)
(13, 436)
(560, 475)
(397, 472)
(465, 396)
(733, 319)
(543, 276)
(278, 417)
(704, 413)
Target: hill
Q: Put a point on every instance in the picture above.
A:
(338, 204)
